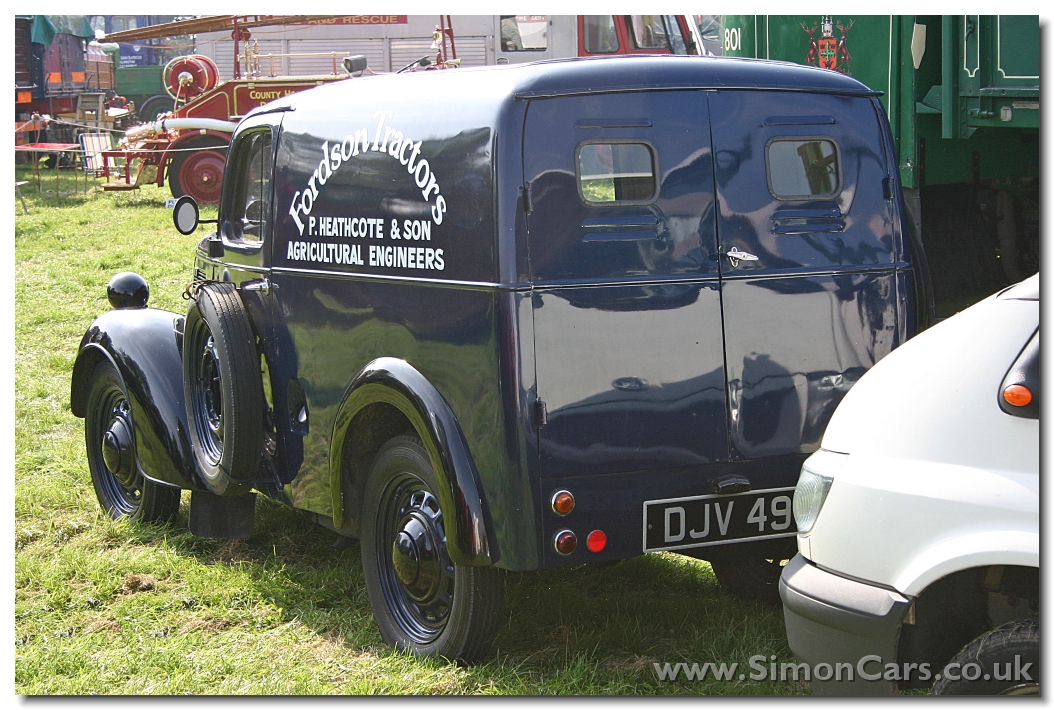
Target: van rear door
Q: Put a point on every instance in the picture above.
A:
(806, 226)
(623, 258)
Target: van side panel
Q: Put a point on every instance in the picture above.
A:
(509, 476)
(384, 247)
(404, 167)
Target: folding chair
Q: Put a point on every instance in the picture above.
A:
(18, 191)
(93, 145)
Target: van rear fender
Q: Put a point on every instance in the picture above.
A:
(394, 382)
(145, 346)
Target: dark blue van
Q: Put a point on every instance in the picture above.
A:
(515, 318)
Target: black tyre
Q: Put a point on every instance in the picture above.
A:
(115, 473)
(1004, 661)
(153, 107)
(196, 169)
(750, 577)
(223, 389)
(423, 603)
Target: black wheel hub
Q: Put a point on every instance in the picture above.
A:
(112, 452)
(417, 575)
(117, 450)
(416, 558)
(208, 401)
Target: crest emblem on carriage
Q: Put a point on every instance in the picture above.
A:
(828, 51)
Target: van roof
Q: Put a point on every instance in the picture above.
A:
(584, 75)
(628, 73)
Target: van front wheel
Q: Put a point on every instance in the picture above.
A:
(422, 602)
(119, 484)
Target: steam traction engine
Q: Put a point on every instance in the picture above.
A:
(188, 145)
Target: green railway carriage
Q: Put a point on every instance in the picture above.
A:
(962, 94)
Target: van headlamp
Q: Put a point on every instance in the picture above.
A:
(813, 485)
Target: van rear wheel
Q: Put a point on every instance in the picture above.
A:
(422, 602)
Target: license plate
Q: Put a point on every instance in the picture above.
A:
(698, 521)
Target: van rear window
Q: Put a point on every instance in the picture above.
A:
(612, 173)
(803, 168)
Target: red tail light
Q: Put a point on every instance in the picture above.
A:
(596, 540)
(565, 542)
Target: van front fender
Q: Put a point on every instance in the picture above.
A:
(145, 345)
(395, 382)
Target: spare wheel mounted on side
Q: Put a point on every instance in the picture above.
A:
(222, 389)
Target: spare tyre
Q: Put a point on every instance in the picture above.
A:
(222, 389)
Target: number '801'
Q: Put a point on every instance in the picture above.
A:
(733, 39)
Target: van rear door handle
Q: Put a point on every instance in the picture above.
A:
(735, 256)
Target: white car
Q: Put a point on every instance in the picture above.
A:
(918, 520)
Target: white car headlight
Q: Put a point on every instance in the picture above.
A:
(813, 485)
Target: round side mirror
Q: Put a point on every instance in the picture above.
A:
(185, 214)
(254, 212)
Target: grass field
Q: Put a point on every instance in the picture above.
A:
(113, 608)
